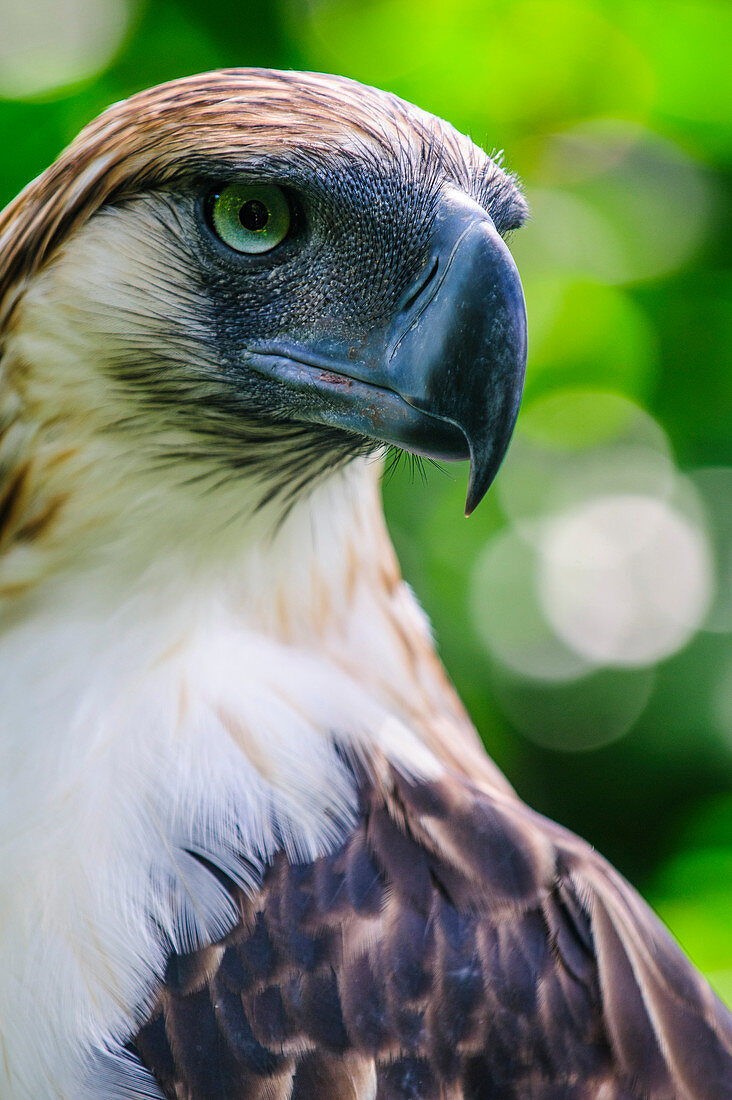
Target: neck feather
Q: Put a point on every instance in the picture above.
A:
(200, 704)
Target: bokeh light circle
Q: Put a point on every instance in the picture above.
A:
(48, 44)
(576, 716)
(508, 616)
(613, 202)
(577, 444)
(624, 580)
(714, 488)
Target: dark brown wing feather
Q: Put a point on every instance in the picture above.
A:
(456, 946)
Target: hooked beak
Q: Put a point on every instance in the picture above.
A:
(445, 380)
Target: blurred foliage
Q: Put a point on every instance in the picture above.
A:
(600, 677)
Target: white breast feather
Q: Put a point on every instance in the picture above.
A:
(165, 725)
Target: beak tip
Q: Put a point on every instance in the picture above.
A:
(471, 504)
(474, 498)
(482, 475)
(488, 449)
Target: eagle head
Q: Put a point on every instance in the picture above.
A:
(255, 276)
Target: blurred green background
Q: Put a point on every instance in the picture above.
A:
(585, 610)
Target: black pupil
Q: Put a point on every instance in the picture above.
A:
(254, 215)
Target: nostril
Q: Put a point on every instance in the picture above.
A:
(417, 290)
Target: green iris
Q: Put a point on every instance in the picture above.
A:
(251, 217)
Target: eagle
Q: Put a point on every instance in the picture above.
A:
(251, 846)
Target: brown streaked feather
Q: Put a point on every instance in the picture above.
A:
(148, 139)
(456, 946)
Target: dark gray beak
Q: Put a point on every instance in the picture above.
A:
(446, 380)
(462, 357)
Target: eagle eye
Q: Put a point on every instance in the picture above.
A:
(251, 218)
